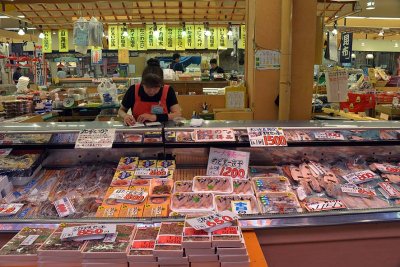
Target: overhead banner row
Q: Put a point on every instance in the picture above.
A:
(171, 38)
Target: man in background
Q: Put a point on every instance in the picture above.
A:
(176, 64)
(215, 68)
(17, 74)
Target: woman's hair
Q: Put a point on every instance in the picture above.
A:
(153, 75)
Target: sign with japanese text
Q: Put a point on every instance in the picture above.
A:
(95, 138)
(162, 38)
(133, 39)
(232, 163)
(179, 39)
(123, 56)
(360, 177)
(262, 137)
(63, 41)
(93, 231)
(328, 135)
(171, 38)
(96, 55)
(142, 39)
(212, 41)
(214, 135)
(151, 40)
(325, 205)
(190, 37)
(39, 76)
(10, 209)
(64, 207)
(214, 221)
(346, 47)
(122, 40)
(336, 85)
(199, 39)
(47, 42)
(143, 244)
(242, 41)
(113, 37)
(222, 38)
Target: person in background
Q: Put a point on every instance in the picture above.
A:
(116, 74)
(17, 74)
(31, 76)
(215, 68)
(176, 64)
(151, 100)
(61, 74)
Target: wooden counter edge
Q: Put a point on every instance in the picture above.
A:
(254, 250)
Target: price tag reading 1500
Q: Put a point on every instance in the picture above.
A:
(264, 136)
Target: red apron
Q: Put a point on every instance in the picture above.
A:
(140, 107)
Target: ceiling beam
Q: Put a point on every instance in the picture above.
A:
(15, 36)
(88, 1)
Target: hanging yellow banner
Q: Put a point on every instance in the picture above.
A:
(63, 41)
(123, 56)
(171, 39)
(113, 37)
(212, 42)
(142, 40)
(222, 38)
(179, 39)
(242, 41)
(189, 40)
(162, 38)
(199, 37)
(151, 41)
(47, 42)
(122, 40)
(132, 39)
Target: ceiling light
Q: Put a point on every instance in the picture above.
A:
(4, 17)
(353, 56)
(125, 33)
(381, 32)
(396, 45)
(54, 33)
(362, 44)
(156, 32)
(21, 16)
(230, 33)
(369, 56)
(370, 4)
(21, 29)
(207, 30)
(41, 34)
(183, 29)
(335, 31)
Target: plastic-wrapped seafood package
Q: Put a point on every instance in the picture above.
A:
(20, 168)
(128, 138)
(271, 184)
(387, 170)
(356, 202)
(22, 248)
(170, 164)
(189, 202)
(298, 135)
(183, 186)
(184, 137)
(161, 187)
(122, 178)
(362, 135)
(128, 163)
(169, 242)
(265, 171)
(24, 138)
(389, 134)
(354, 173)
(241, 186)
(213, 184)
(64, 138)
(284, 202)
(240, 204)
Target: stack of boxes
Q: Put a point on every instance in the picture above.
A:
(141, 251)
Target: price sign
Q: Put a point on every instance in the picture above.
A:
(388, 168)
(354, 190)
(214, 135)
(227, 231)
(86, 232)
(143, 245)
(360, 177)
(5, 151)
(29, 240)
(388, 190)
(325, 205)
(328, 135)
(151, 172)
(190, 231)
(241, 207)
(10, 209)
(128, 196)
(64, 207)
(214, 221)
(110, 238)
(169, 240)
(262, 137)
(95, 138)
(232, 163)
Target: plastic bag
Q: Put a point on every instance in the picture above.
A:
(108, 92)
(95, 32)
(81, 35)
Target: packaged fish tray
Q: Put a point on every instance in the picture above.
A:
(128, 163)
(23, 246)
(239, 204)
(112, 246)
(242, 186)
(143, 244)
(193, 238)
(264, 171)
(282, 202)
(161, 187)
(190, 202)
(183, 186)
(213, 184)
(21, 168)
(271, 184)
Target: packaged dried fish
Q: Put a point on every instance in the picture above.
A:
(213, 184)
(192, 202)
(283, 202)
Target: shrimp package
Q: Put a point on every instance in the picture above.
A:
(213, 184)
(190, 202)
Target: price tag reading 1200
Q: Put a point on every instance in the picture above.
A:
(262, 137)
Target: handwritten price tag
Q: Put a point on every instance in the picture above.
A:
(64, 207)
(328, 135)
(143, 245)
(169, 240)
(95, 138)
(214, 221)
(151, 172)
(232, 163)
(360, 177)
(262, 137)
(94, 231)
(325, 205)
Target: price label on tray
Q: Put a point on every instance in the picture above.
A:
(128, 196)
(241, 207)
(29, 240)
(5, 151)
(143, 245)
(325, 205)
(360, 177)
(88, 232)
(151, 172)
(64, 207)
(262, 137)
(10, 209)
(213, 221)
(227, 231)
(169, 240)
(95, 138)
(388, 190)
(190, 231)
(388, 168)
(329, 135)
(232, 163)
(354, 190)
(110, 238)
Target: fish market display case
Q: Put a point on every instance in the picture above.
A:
(329, 177)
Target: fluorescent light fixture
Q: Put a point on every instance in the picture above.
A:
(4, 17)
(362, 44)
(369, 56)
(156, 32)
(230, 32)
(16, 29)
(125, 32)
(370, 4)
(184, 33)
(21, 16)
(396, 45)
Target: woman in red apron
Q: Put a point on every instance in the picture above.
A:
(150, 100)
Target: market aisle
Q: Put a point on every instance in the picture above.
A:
(256, 254)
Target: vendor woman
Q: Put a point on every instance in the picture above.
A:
(151, 100)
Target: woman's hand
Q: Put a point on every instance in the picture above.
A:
(129, 120)
(147, 117)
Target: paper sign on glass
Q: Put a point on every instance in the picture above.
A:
(232, 163)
